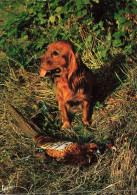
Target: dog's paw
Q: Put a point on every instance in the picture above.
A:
(65, 125)
(86, 122)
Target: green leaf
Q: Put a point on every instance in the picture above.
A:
(56, 2)
(11, 32)
(98, 32)
(58, 9)
(55, 32)
(116, 35)
(79, 4)
(117, 43)
(104, 53)
(40, 15)
(2, 41)
(66, 37)
(75, 27)
(65, 8)
(95, 27)
(108, 37)
(84, 12)
(134, 10)
(86, 2)
(117, 15)
(132, 34)
(122, 20)
(23, 34)
(97, 104)
(89, 38)
(25, 37)
(100, 23)
(127, 10)
(79, 14)
(30, 10)
(101, 47)
(52, 19)
(96, 1)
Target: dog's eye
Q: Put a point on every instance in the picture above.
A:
(55, 53)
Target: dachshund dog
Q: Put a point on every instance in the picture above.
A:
(75, 83)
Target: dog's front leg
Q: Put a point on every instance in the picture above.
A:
(65, 118)
(86, 112)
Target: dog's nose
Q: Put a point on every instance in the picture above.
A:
(49, 61)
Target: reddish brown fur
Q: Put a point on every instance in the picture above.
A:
(75, 83)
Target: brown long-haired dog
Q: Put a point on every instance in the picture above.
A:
(75, 83)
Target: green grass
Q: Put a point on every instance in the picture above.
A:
(113, 120)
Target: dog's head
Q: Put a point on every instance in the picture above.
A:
(59, 54)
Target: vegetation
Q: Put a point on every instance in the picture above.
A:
(104, 32)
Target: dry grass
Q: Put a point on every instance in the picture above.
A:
(113, 120)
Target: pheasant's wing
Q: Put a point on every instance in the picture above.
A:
(47, 142)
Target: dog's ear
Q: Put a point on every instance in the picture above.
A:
(72, 64)
(73, 67)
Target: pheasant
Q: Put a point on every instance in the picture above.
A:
(70, 152)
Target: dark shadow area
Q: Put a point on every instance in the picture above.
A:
(107, 78)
